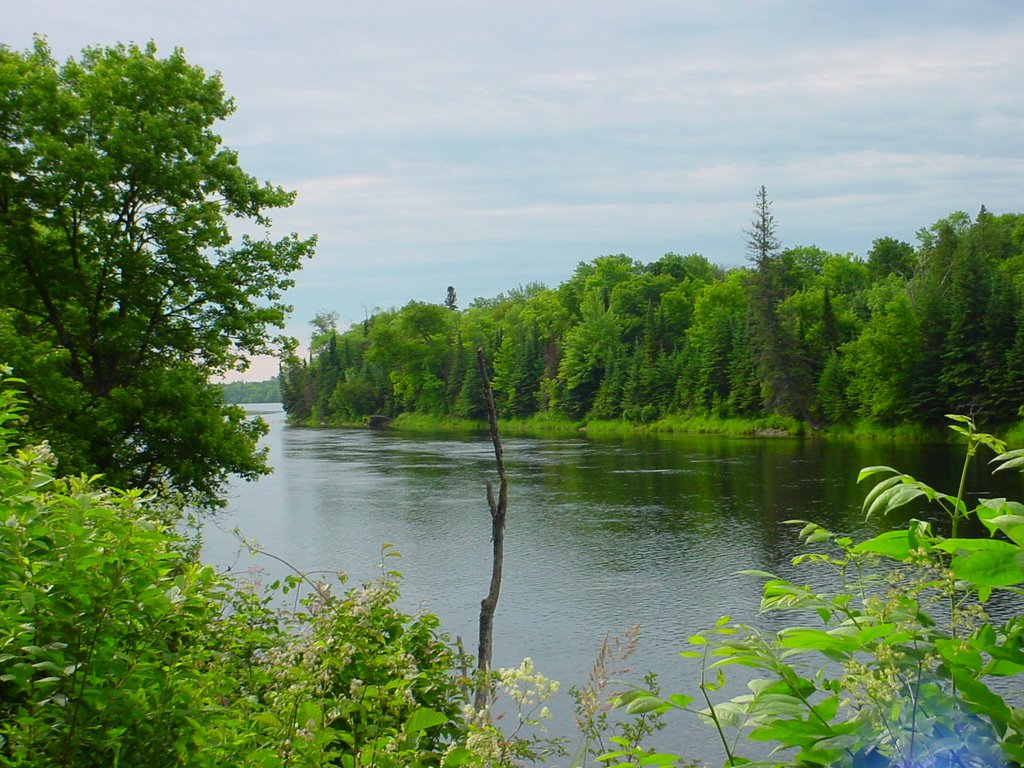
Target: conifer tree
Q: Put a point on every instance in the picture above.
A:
(780, 365)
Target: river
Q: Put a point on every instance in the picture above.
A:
(602, 534)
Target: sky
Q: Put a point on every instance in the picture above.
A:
(488, 144)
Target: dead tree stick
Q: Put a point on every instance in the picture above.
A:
(499, 509)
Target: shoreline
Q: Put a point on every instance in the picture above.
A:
(775, 427)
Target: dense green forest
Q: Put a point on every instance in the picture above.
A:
(905, 335)
(267, 391)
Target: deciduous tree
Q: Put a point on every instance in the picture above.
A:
(124, 288)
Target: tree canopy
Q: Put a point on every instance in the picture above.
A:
(125, 288)
(906, 335)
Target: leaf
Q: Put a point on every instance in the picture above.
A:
(894, 544)
(759, 574)
(869, 471)
(968, 546)
(422, 719)
(1012, 526)
(643, 704)
(680, 700)
(981, 696)
(992, 567)
(263, 758)
(880, 488)
(1009, 460)
(894, 497)
(308, 711)
(658, 759)
(955, 654)
(960, 418)
(798, 638)
(456, 757)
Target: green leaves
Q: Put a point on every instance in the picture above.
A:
(897, 670)
(895, 491)
(116, 648)
(125, 290)
(996, 564)
(1009, 460)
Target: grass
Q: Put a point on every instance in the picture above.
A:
(543, 425)
(425, 422)
(900, 433)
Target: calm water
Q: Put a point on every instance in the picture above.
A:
(601, 534)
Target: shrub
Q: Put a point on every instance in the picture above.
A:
(117, 648)
(900, 665)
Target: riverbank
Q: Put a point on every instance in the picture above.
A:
(770, 426)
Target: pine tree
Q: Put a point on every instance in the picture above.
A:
(451, 300)
(781, 367)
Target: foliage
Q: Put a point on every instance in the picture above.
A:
(800, 333)
(595, 703)
(345, 680)
(124, 290)
(101, 658)
(118, 648)
(268, 391)
(903, 666)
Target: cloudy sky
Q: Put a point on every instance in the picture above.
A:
(486, 144)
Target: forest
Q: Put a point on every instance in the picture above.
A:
(902, 336)
(266, 391)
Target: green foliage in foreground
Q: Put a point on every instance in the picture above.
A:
(118, 648)
(902, 665)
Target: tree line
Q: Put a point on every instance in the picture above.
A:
(907, 334)
(266, 391)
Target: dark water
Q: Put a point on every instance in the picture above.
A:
(602, 534)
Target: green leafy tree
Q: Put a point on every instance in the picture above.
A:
(325, 363)
(929, 294)
(591, 348)
(124, 290)
(881, 361)
(518, 366)
(889, 256)
(451, 300)
(719, 320)
(413, 345)
(268, 391)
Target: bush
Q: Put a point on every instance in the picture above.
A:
(118, 648)
(899, 669)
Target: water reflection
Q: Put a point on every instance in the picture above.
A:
(602, 533)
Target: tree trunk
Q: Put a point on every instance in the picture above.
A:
(499, 509)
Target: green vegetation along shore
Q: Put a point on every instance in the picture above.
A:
(544, 426)
(800, 340)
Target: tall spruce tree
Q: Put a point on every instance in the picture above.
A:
(781, 367)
